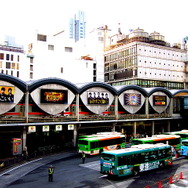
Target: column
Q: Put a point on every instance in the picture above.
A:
(26, 105)
(147, 107)
(75, 133)
(77, 107)
(153, 128)
(134, 129)
(116, 107)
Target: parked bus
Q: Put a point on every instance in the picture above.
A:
(183, 134)
(137, 158)
(96, 143)
(173, 140)
(184, 147)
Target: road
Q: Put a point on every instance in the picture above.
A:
(70, 173)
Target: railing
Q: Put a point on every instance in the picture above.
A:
(12, 119)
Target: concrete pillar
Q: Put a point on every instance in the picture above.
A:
(147, 107)
(27, 106)
(75, 133)
(77, 107)
(153, 128)
(116, 108)
(134, 129)
(24, 136)
(114, 127)
(168, 126)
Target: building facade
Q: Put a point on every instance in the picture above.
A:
(146, 60)
(77, 26)
(54, 112)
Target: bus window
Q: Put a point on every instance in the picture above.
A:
(152, 155)
(107, 157)
(84, 142)
(93, 145)
(174, 142)
(136, 158)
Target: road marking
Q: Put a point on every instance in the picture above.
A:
(6, 172)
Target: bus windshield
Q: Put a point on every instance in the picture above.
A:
(107, 157)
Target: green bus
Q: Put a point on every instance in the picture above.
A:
(183, 134)
(136, 159)
(95, 144)
(173, 140)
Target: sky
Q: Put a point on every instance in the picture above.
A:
(21, 18)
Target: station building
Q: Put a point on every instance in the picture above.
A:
(50, 114)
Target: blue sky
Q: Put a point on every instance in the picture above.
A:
(21, 18)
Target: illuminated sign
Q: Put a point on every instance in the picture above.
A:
(7, 94)
(17, 146)
(46, 128)
(159, 100)
(58, 128)
(98, 98)
(54, 96)
(32, 129)
(132, 99)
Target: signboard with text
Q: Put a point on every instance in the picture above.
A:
(98, 98)
(54, 96)
(159, 100)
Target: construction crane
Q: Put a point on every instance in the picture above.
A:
(105, 30)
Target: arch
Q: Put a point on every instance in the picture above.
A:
(35, 84)
(15, 81)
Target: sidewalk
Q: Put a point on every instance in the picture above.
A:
(10, 175)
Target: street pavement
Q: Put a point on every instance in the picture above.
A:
(12, 174)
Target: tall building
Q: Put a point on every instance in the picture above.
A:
(146, 60)
(11, 57)
(77, 26)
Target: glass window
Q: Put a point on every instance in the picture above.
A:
(1, 55)
(8, 65)
(7, 56)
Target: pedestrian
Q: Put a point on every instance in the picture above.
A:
(83, 157)
(50, 173)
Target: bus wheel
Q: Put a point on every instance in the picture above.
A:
(135, 171)
(161, 164)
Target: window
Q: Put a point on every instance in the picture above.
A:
(41, 37)
(8, 64)
(7, 57)
(18, 58)
(1, 64)
(61, 69)
(31, 60)
(50, 47)
(68, 49)
(1, 55)
(12, 58)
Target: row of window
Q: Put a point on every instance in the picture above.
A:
(10, 65)
(151, 83)
(9, 57)
(143, 157)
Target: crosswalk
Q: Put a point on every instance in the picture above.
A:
(95, 165)
(180, 183)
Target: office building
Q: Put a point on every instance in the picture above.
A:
(146, 60)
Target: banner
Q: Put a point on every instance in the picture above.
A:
(132, 99)
(98, 98)
(7, 94)
(54, 96)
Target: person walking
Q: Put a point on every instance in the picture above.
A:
(50, 173)
(83, 157)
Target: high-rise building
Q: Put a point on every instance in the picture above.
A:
(146, 60)
(77, 26)
(11, 57)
